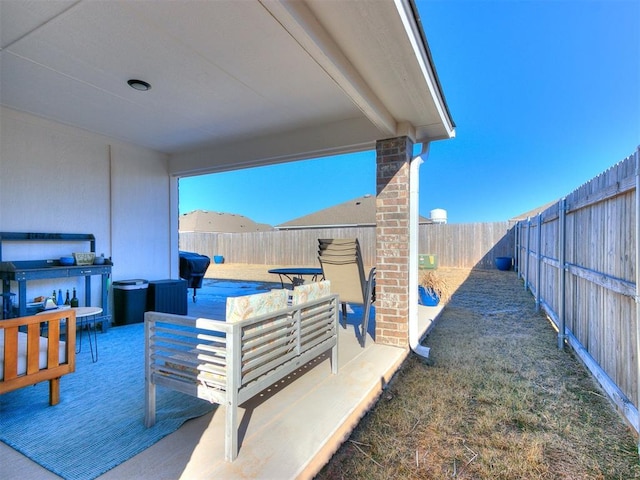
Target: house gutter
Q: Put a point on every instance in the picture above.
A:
(414, 197)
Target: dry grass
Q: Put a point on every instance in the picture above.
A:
(497, 400)
(242, 271)
(437, 283)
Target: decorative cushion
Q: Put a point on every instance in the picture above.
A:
(311, 291)
(249, 306)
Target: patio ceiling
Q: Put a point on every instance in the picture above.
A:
(234, 83)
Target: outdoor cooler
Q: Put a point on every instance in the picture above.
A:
(193, 266)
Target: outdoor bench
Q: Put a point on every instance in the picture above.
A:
(26, 358)
(265, 337)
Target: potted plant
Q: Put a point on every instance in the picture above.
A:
(433, 289)
(504, 263)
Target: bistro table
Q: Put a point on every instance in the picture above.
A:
(296, 274)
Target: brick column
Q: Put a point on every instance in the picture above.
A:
(393, 158)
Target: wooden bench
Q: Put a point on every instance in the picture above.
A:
(28, 358)
(265, 337)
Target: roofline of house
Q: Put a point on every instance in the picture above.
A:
(429, 58)
(341, 225)
(312, 227)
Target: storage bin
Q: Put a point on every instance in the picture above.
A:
(167, 296)
(129, 301)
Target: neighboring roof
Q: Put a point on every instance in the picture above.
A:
(205, 221)
(534, 212)
(234, 84)
(358, 212)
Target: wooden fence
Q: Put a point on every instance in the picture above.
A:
(454, 245)
(579, 259)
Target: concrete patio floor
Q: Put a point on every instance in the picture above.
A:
(289, 431)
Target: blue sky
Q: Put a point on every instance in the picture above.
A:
(545, 95)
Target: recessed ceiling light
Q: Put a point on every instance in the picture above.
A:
(139, 85)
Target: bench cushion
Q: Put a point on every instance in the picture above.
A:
(249, 306)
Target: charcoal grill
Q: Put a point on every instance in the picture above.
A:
(193, 266)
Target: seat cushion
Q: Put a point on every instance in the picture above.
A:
(22, 353)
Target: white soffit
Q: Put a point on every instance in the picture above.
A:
(241, 77)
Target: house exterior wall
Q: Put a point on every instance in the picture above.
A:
(393, 157)
(59, 179)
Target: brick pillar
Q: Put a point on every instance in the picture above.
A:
(393, 158)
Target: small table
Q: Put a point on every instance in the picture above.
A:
(296, 274)
(86, 315)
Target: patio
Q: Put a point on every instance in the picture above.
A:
(289, 431)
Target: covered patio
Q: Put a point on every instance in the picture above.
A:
(86, 148)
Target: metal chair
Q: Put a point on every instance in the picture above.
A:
(342, 265)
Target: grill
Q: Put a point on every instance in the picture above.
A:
(193, 266)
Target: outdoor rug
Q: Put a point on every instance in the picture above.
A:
(99, 422)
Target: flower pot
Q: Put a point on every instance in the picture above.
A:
(428, 298)
(218, 259)
(504, 263)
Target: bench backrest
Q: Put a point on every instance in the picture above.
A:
(261, 331)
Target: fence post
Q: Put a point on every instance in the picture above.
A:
(526, 255)
(516, 249)
(637, 161)
(539, 262)
(562, 215)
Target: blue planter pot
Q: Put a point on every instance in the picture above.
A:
(428, 298)
(504, 263)
(218, 259)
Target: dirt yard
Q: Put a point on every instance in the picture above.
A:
(242, 271)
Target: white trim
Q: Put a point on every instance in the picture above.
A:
(413, 34)
(174, 226)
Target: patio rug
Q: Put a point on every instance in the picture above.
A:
(99, 422)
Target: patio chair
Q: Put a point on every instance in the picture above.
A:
(341, 262)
